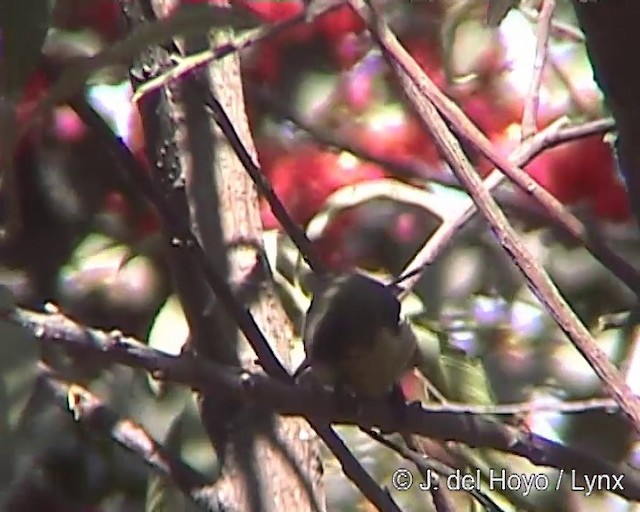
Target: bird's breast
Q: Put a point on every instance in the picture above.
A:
(374, 371)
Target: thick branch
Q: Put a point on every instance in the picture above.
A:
(268, 463)
(177, 224)
(319, 405)
(179, 229)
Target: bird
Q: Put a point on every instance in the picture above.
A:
(354, 336)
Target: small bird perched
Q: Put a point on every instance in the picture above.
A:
(354, 336)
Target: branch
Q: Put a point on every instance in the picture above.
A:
(532, 100)
(297, 235)
(88, 410)
(537, 279)
(277, 457)
(549, 137)
(316, 404)
(427, 466)
(185, 65)
(471, 133)
(359, 193)
(181, 234)
(177, 227)
(553, 136)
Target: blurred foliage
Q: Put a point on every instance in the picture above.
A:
(75, 235)
(24, 27)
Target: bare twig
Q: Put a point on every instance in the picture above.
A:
(429, 468)
(184, 65)
(416, 168)
(532, 100)
(548, 137)
(115, 347)
(558, 28)
(297, 235)
(89, 410)
(321, 405)
(359, 193)
(537, 279)
(470, 132)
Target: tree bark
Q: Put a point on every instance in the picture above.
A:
(268, 463)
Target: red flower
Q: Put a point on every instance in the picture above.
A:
(305, 178)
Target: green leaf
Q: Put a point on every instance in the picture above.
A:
(24, 27)
(168, 333)
(467, 381)
(430, 357)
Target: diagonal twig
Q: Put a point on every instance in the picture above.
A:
(297, 235)
(90, 411)
(185, 65)
(470, 132)
(524, 153)
(537, 279)
(427, 466)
